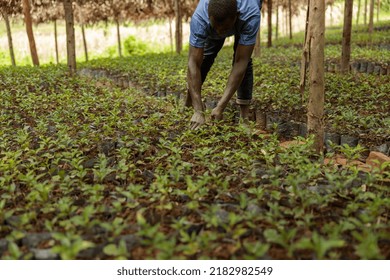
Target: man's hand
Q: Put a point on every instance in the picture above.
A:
(198, 119)
(216, 114)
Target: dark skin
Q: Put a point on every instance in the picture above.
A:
(242, 57)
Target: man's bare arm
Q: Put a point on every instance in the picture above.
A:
(195, 84)
(242, 57)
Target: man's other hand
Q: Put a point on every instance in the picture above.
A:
(197, 120)
(216, 114)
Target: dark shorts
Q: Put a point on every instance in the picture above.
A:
(244, 92)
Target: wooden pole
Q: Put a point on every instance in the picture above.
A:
(56, 41)
(118, 34)
(84, 41)
(378, 7)
(178, 27)
(371, 19)
(30, 33)
(346, 43)
(9, 36)
(365, 12)
(277, 20)
(70, 37)
(316, 69)
(358, 12)
(290, 17)
(269, 12)
(170, 34)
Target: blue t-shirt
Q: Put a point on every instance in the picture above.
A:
(247, 24)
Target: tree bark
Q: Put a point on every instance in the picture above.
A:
(9, 36)
(56, 41)
(286, 21)
(84, 42)
(365, 12)
(358, 12)
(170, 34)
(378, 7)
(290, 18)
(179, 30)
(347, 30)
(70, 37)
(30, 33)
(371, 20)
(305, 54)
(277, 20)
(269, 12)
(316, 68)
(118, 35)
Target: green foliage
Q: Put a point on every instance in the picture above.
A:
(116, 173)
(133, 46)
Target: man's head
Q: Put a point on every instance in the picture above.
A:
(223, 15)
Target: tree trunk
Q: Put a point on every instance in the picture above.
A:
(378, 7)
(371, 20)
(9, 35)
(365, 12)
(305, 55)
(30, 33)
(170, 34)
(316, 68)
(118, 34)
(286, 21)
(347, 30)
(56, 41)
(290, 18)
(269, 12)
(70, 37)
(84, 42)
(358, 12)
(178, 31)
(277, 20)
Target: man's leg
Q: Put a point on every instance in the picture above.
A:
(210, 53)
(244, 92)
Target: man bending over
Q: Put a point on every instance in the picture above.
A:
(211, 23)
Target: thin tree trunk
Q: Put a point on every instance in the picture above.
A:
(290, 18)
(378, 7)
(269, 12)
(181, 29)
(277, 20)
(316, 68)
(178, 31)
(70, 37)
(56, 41)
(371, 20)
(118, 34)
(170, 34)
(286, 21)
(365, 12)
(9, 35)
(84, 42)
(347, 30)
(305, 54)
(358, 12)
(30, 33)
